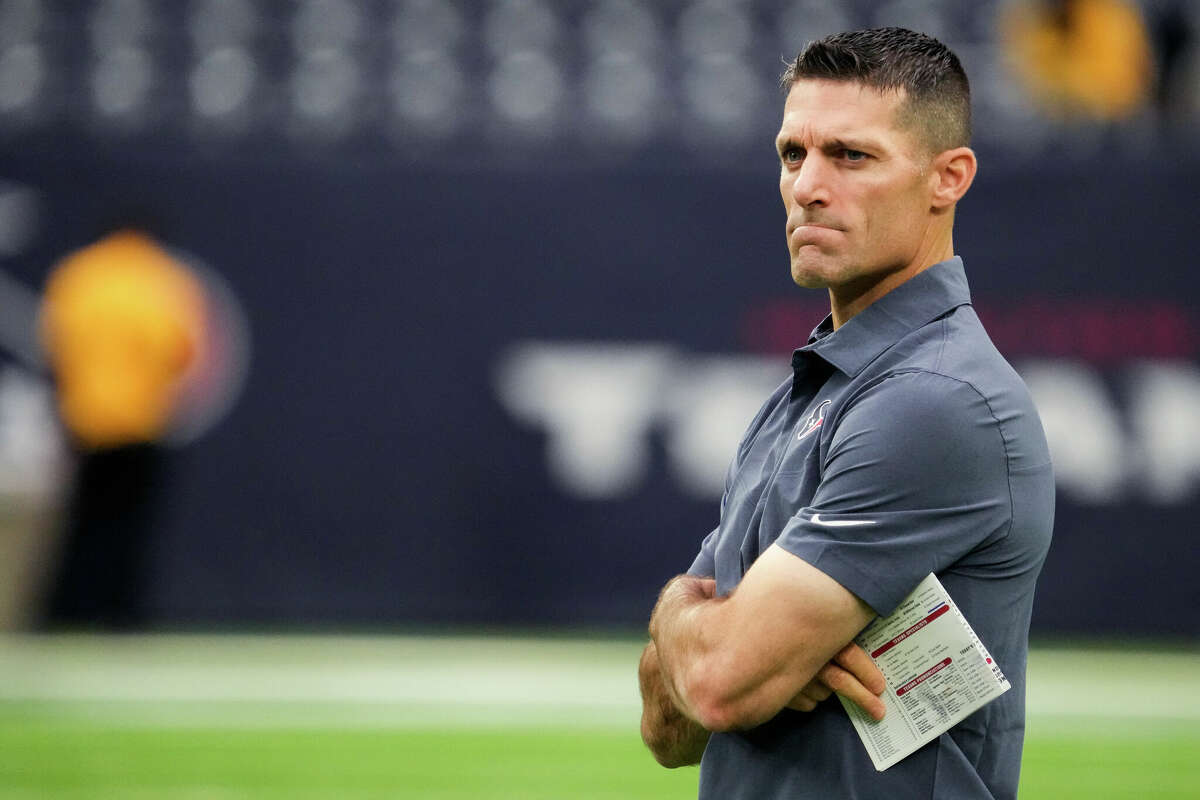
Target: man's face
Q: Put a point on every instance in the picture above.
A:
(854, 185)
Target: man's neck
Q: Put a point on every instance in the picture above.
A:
(847, 301)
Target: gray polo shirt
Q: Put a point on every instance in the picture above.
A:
(906, 416)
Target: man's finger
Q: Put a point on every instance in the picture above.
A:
(859, 664)
(849, 687)
(817, 690)
(802, 702)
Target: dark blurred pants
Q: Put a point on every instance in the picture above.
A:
(111, 516)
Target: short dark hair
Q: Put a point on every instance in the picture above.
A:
(937, 95)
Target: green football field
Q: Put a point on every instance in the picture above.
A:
(195, 717)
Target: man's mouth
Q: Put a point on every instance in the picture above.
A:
(809, 224)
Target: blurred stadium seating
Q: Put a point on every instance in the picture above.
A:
(526, 82)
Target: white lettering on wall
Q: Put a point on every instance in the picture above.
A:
(601, 405)
(709, 405)
(1082, 426)
(595, 402)
(1165, 416)
(31, 448)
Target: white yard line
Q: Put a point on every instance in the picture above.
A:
(423, 681)
(1124, 683)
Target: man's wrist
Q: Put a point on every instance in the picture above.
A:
(677, 632)
(681, 594)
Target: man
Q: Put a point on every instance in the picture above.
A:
(902, 444)
(123, 323)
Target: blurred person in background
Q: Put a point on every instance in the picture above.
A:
(903, 444)
(1081, 59)
(122, 323)
(1178, 92)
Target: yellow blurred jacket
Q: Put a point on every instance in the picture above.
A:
(121, 322)
(1100, 65)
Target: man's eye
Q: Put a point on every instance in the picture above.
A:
(854, 155)
(792, 154)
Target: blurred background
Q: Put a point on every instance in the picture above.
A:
(435, 316)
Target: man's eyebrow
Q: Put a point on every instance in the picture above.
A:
(848, 143)
(784, 143)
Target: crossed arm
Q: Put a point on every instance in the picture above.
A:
(779, 640)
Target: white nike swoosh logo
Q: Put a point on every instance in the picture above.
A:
(840, 523)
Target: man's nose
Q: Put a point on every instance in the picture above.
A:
(810, 183)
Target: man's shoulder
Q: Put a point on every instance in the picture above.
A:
(957, 347)
(946, 368)
(915, 407)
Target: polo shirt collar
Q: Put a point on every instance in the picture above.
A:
(926, 296)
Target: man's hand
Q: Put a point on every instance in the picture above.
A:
(673, 739)
(682, 594)
(853, 675)
(685, 590)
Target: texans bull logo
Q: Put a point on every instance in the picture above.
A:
(815, 420)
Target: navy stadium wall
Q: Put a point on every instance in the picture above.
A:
(496, 376)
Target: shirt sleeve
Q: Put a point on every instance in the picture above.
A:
(705, 565)
(914, 477)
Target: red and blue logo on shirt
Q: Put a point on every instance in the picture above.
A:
(815, 420)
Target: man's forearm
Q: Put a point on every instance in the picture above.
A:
(733, 662)
(673, 738)
(677, 637)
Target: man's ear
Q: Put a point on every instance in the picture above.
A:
(952, 173)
